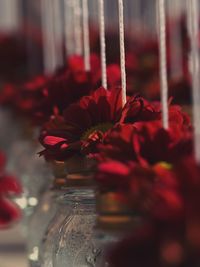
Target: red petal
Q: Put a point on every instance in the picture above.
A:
(53, 140)
(2, 161)
(9, 212)
(9, 184)
(114, 167)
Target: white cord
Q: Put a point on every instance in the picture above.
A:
(122, 50)
(10, 17)
(176, 52)
(58, 32)
(193, 11)
(86, 36)
(49, 50)
(102, 43)
(163, 62)
(69, 27)
(77, 27)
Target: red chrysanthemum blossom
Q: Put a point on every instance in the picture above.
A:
(46, 95)
(15, 56)
(84, 123)
(149, 142)
(180, 89)
(39, 98)
(9, 186)
(153, 244)
(9, 212)
(188, 173)
(63, 136)
(152, 191)
(167, 243)
(2, 161)
(8, 95)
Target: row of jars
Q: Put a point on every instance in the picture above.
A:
(65, 230)
(60, 223)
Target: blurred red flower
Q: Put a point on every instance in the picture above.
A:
(153, 244)
(37, 99)
(166, 243)
(9, 186)
(152, 191)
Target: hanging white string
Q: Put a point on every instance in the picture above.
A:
(69, 27)
(193, 13)
(175, 11)
(86, 36)
(189, 18)
(49, 48)
(102, 42)
(163, 61)
(77, 27)
(9, 15)
(122, 50)
(58, 31)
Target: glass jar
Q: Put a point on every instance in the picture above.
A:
(34, 173)
(71, 241)
(38, 223)
(114, 222)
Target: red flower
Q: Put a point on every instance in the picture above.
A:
(153, 244)
(38, 98)
(188, 172)
(9, 212)
(114, 176)
(139, 109)
(168, 243)
(8, 95)
(148, 52)
(86, 122)
(151, 191)
(149, 142)
(180, 89)
(15, 56)
(97, 112)
(2, 161)
(139, 249)
(9, 186)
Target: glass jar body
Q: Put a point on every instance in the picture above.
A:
(39, 222)
(71, 241)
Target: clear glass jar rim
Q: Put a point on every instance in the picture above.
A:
(85, 196)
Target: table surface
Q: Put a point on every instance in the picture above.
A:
(12, 248)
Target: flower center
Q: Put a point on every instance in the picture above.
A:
(102, 127)
(165, 165)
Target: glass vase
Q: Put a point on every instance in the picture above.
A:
(71, 240)
(38, 223)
